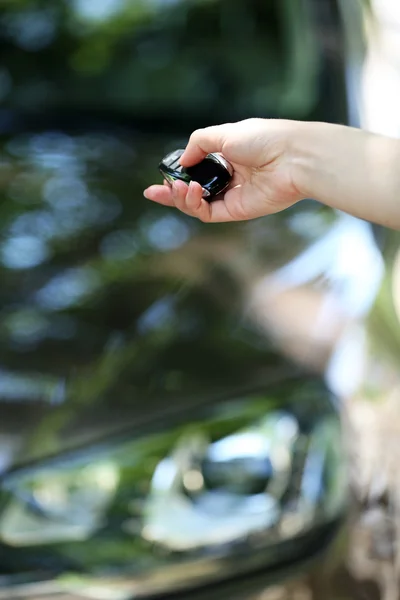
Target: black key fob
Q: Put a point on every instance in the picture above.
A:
(213, 173)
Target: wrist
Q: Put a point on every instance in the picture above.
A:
(309, 157)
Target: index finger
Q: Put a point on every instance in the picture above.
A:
(203, 142)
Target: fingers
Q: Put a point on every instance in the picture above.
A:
(189, 200)
(162, 194)
(202, 142)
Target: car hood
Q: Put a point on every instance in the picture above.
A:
(116, 311)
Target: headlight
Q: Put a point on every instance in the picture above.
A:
(220, 495)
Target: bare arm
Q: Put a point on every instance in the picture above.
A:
(279, 162)
(351, 170)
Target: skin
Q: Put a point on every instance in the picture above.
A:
(279, 162)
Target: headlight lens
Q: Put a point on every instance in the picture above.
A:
(249, 476)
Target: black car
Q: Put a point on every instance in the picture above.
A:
(169, 404)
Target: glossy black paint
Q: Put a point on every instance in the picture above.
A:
(125, 328)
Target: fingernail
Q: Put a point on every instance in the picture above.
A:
(145, 194)
(191, 185)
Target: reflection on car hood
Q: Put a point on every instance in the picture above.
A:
(112, 306)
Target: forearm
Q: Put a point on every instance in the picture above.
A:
(350, 170)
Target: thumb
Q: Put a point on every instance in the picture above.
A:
(203, 142)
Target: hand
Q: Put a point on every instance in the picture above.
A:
(263, 181)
